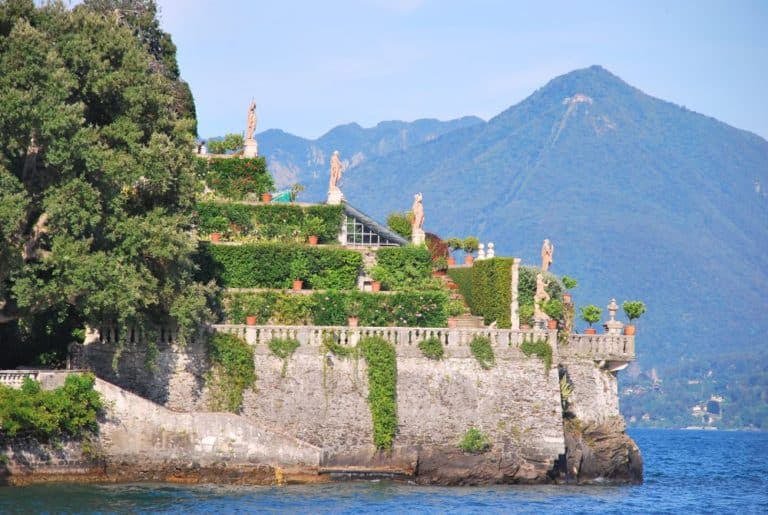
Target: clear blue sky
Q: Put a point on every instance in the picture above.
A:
(314, 65)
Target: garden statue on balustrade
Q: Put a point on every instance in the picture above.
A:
(417, 231)
(335, 196)
(251, 147)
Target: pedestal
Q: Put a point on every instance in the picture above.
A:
(418, 236)
(251, 148)
(335, 197)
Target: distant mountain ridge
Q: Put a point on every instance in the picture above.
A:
(642, 199)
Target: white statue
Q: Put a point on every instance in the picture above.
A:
(251, 127)
(481, 252)
(335, 196)
(417, 225)
(547, 250)
(491, 252)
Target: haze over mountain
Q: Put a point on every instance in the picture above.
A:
(642, 199)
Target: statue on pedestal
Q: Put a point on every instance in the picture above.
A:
(334, 193)
(417, 231)
(251, 148)
(547, 250)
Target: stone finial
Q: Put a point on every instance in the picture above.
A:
(491, 252)
(613, 326)
(547, 251)
(481, 252)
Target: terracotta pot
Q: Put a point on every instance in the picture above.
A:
(215, 236)
(551, 324)
(451, 260)
(468, 260)
(352, 321)
(590, 330)
(525, 327)
(250, 320)
(567, 298)
(376, 286)
(266, 197)
(452, 323)
(312, 240)
(629, 330)
(298, 284)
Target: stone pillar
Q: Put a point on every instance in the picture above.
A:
(613, 326)
(251, 148)
(514, 307)
(250, 334)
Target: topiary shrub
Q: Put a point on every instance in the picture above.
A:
(634, 309)
(591, 314)
(237, 177)
(401, 224)
(483, 351)
(381, 362)
(463, 278)
(232, 371)
(283, 348)
(474, 441)
(403, 267)
(432, 348)
(491, 293)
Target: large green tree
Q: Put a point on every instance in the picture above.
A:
(96, 171)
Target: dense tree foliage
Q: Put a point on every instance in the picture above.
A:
(96, 169)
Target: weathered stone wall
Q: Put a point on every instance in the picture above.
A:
(322, 399)
(595, 396)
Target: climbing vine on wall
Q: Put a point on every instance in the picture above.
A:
(382, 389)
(540, 348)
(482, 351)
(283, 348)
(232, 371)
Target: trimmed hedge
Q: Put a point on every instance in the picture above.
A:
(405, 267)
(235, 178)
(267, 265)
(463, 279)
(268, 221)
(406, 309)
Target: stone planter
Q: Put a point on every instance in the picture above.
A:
(250, 320)
(312, 240)
(298, 284)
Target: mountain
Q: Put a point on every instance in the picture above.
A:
(294, 159)
(642, 199)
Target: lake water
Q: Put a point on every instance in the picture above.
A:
(685, 472)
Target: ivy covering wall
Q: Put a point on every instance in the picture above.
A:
(269, 221)
(268, 265)
(406, 309)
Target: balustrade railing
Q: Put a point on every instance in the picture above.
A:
(15, 378)
(600, 346)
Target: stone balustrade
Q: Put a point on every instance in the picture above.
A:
(15, 378)
(608, 347)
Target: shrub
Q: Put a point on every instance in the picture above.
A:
(633, 309)
(554, 309)
(294, 309)
(526, 314)
(232, 371)
(237, 177)
(44, 414)
(455, 307)
(463, 278)
(382, 388)
(569, 282)
(401, 224)
(591, 314)
(491, 293)
(474, 441)
(299, 267)
(283, 348)
(403, 267)
(240, 305)
(526, 285)
(470, 244)
(483, 351)
(432, 348)
(540, 348)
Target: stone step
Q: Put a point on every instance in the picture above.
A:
(465, 321)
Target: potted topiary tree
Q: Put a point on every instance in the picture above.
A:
(470, 245)
(453, 244)
(555, 311)
(299, 269)
(569, 283)
(311, 228)
(591, 314)
(633, 309)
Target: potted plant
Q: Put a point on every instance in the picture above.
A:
(439, 266)
(633, 309)
(352, 306)
(218, 225)
(526, 316)
(591, 314)
(250, 320)
(311, 228)
(379, 274)
(470, 245)
(555, 311)
(453, 244)
(569, 283)
(299, 269)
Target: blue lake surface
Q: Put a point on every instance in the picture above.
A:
(685, 472)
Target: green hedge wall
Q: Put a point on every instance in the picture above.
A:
(491, 294)
(267, 265)
(407, 309)
(405, 267)
(235, 178)
(269, 221)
